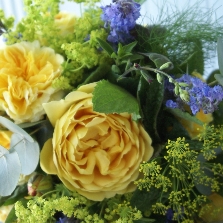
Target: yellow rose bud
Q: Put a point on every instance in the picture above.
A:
(65, 23)
(38, 184)
(95, 154)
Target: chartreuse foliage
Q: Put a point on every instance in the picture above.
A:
(43, 209)
(172, 180)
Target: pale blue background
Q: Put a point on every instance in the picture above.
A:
(149, 13)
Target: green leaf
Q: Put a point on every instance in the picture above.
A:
(100, 72)
(131, 58)
(144, 220)
(220, 54)
(150, 97)
(127, 49)
(185, 115)
(159, 59)
(219, 78)
(105, 46)
(10, 169)
(143, 199)
(44, 133)
(218, 115)
(18, 193)
(12, 216)
(109, 98)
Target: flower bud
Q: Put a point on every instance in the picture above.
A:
(182, 84)
(38, 184)
(167, 65)
(159, 78)
(176, 90)
(184, 95)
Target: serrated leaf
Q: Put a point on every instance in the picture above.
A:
(10, 169)
(220, 54)
(185, 115)
(219, 78)
(27, 151)
(15, 128)
(109, 98)
(105, 46)
(127, 49)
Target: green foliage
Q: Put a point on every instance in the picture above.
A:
(159, 60)
(5, 23)
(150, 98)
(180, 177)
(219, 77)
(109, 98)
(186, 37)
(220, 54)
(184, 115)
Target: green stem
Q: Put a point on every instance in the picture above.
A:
(102, 208)
(158, 71)
(78, 68)
(50, 192)
(213, 83)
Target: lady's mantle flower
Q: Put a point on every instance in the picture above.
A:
(201, 96)
(93, 153)
(26, 74)
(121, 16)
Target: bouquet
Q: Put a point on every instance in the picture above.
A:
(105, 120)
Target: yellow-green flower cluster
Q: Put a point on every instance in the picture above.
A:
(5, 23)
(176, 178)
(153, 177)
(212, 138)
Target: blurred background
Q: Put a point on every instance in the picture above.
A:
(150, 12)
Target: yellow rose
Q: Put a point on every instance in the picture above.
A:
(26, 73)
(65, 22)
(5, 137)
(213, 211)
(4, 211)
(96, 154)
